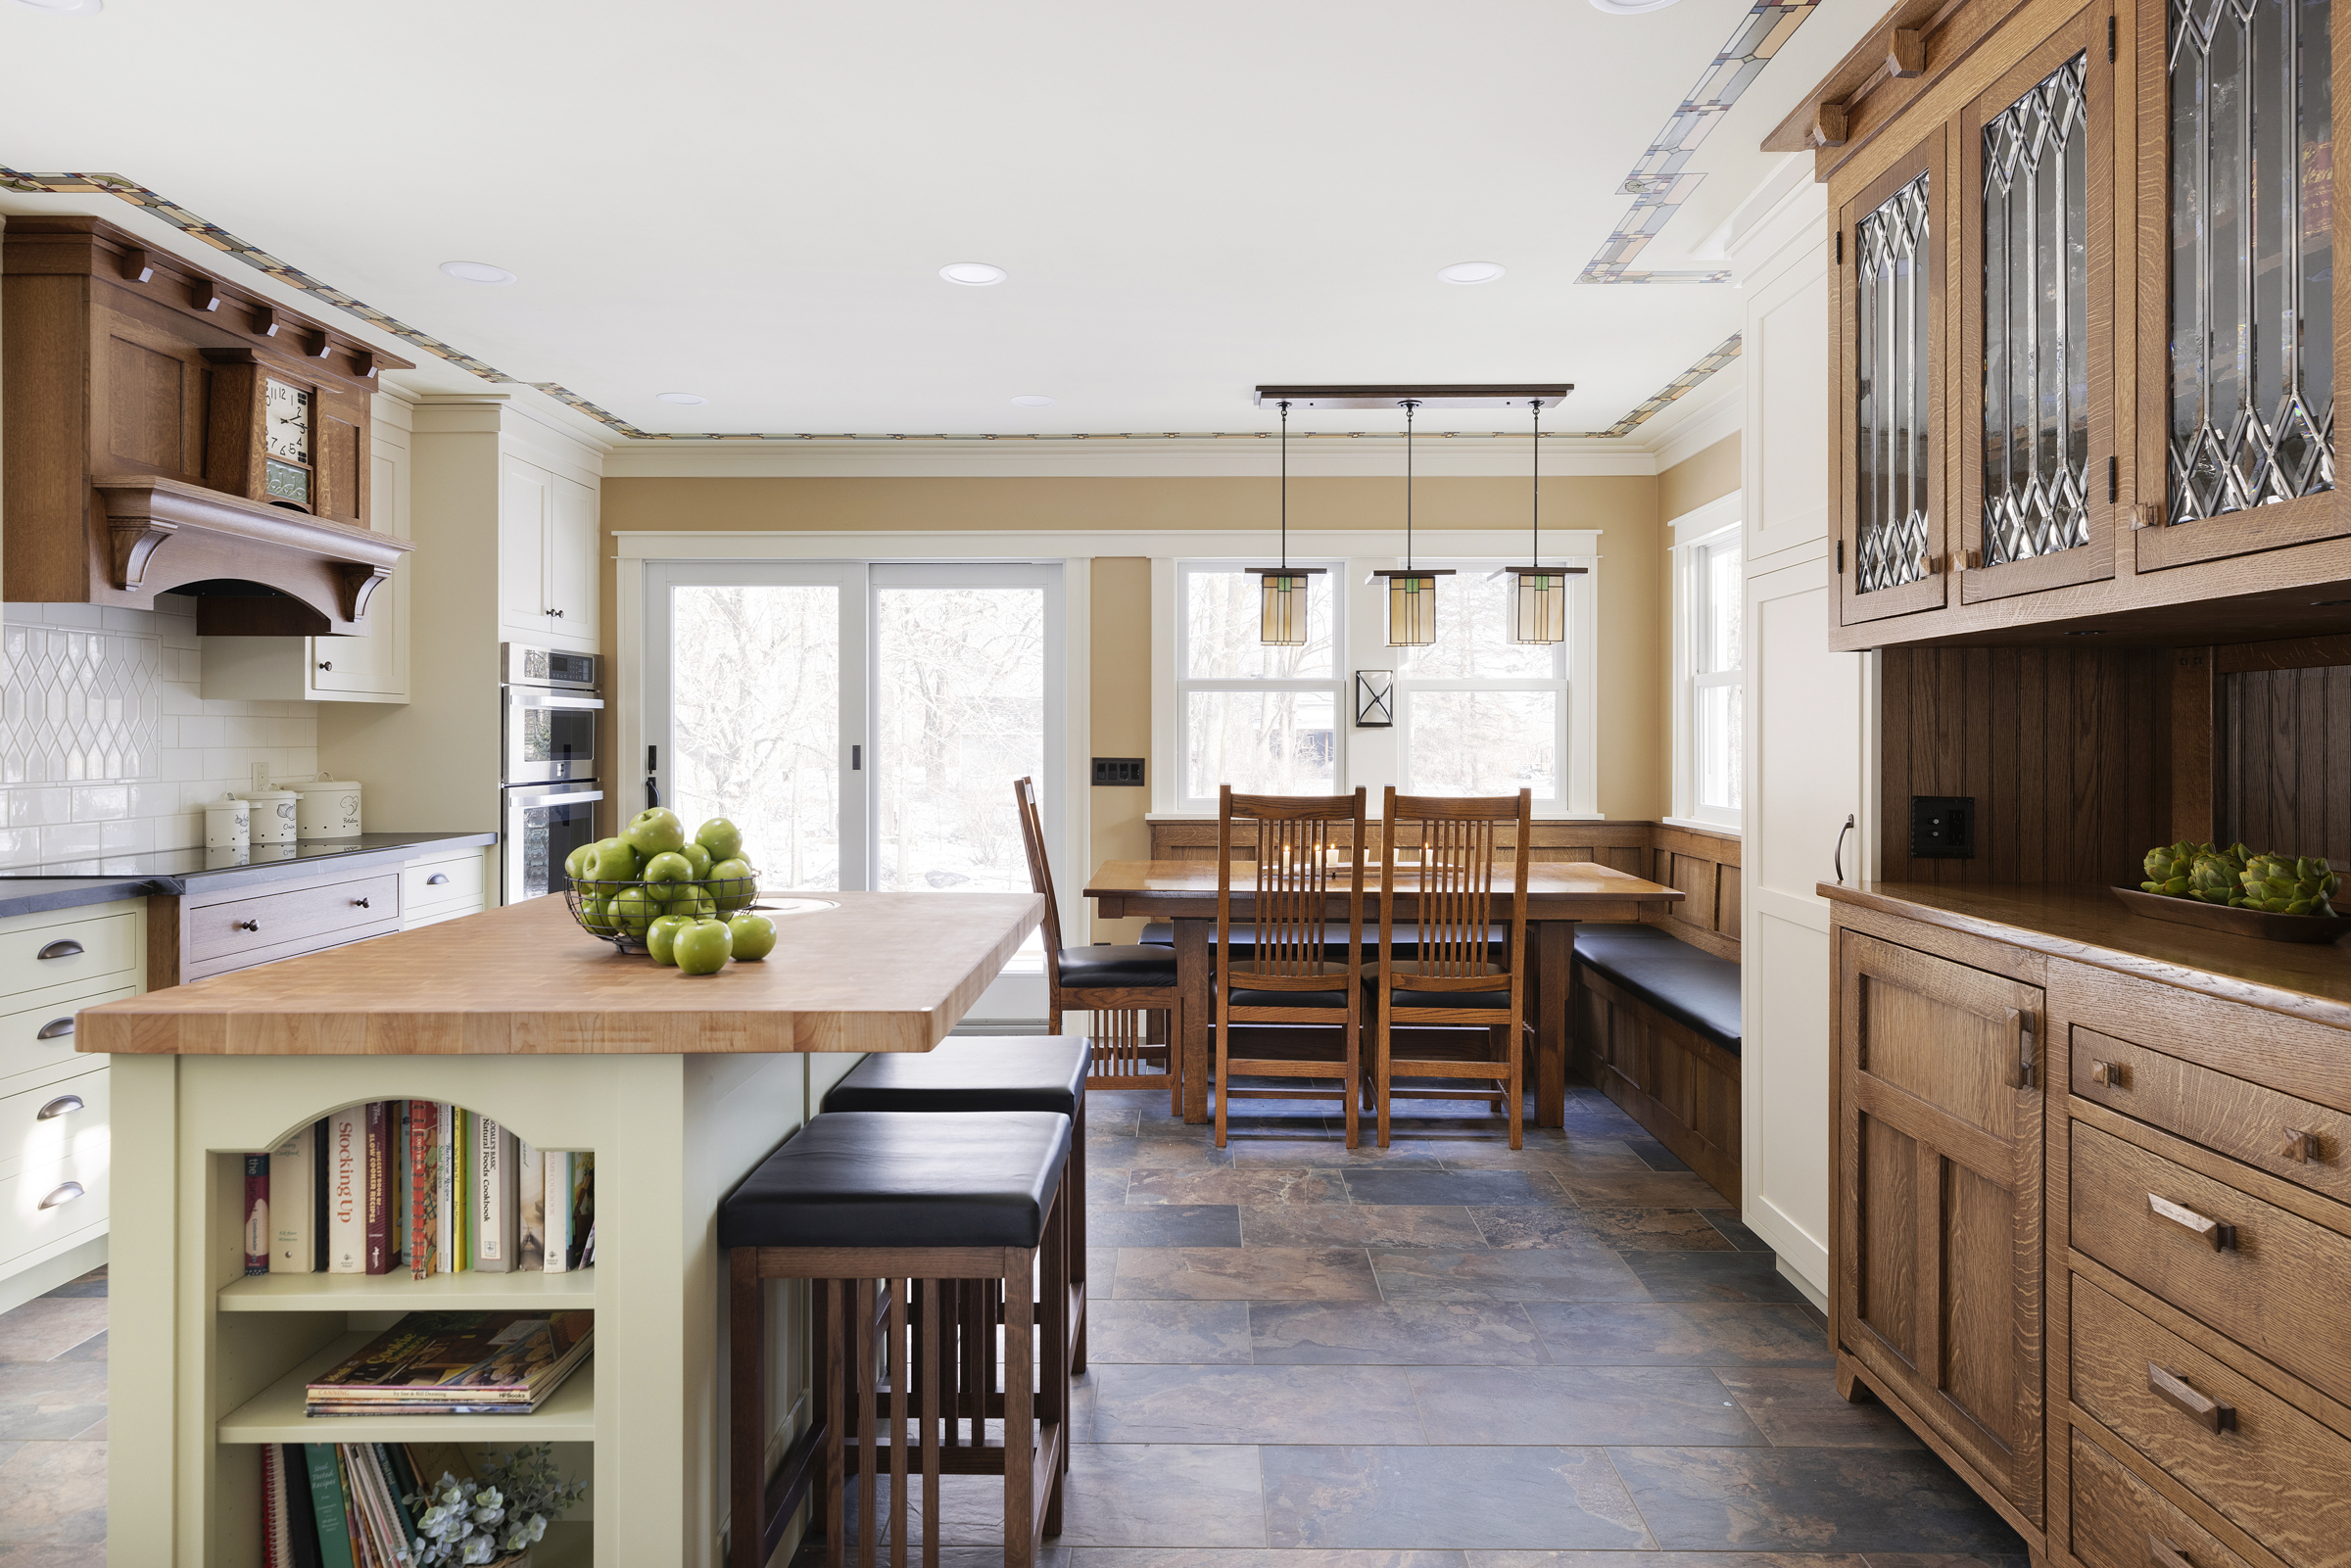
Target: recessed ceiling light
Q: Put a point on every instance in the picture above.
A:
(65, 8)
(972, 274)
(1471, 271)
(478, 271)
(1032, 400)
(688, 398)
(1629, 8)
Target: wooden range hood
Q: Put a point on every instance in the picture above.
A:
(133, 388)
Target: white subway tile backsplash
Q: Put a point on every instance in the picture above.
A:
(101, 802)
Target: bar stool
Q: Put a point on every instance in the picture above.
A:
(885, 1211)
(1024, 1073)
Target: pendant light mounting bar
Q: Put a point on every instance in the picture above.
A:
(1547, 394)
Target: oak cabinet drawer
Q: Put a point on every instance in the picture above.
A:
(2119, 1522)
(40, 1039)
(2261, 1463)
(48, 1202)
(276, 924)
(41, 956)
(2288, 1137)
(2271, 1280)
(55, 1121)
(434, 882)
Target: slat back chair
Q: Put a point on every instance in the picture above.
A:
(1458, 975)
(1293, 971)
(1119, 987)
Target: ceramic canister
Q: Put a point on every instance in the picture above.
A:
(228, 824)
(272, 814)
(328, 808)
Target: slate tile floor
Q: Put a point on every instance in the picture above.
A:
(1448, 1354)
(53, 1429)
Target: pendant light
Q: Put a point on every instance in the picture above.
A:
(1413, 591)
(1539, 596)
(1282, 616)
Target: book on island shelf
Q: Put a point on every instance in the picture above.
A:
(457, 1363)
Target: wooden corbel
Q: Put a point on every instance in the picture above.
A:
(265, 320)
(362, 363)
(321, 346)
(1828, 125)
(130, 542)
(1905, 54)
(359, 582)
(136, 265)
(205, 295)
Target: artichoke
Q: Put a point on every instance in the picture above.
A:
(2218, 877)
(2167, 867)
(2283, 885)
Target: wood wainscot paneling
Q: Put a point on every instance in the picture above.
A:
(2283, 717)
(1623, 845)
(1704, 866)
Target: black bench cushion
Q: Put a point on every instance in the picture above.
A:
(1030, 1072)
(1084, 967)
(1687, 985)
(883, 1178)
(1406, 939)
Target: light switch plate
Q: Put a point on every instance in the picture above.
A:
(1943, 826)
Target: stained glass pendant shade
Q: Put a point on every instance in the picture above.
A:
(1539, 594)
(1282, 617)
(1411, 591)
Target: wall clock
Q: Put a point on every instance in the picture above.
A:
(278, 436)
(287, 474)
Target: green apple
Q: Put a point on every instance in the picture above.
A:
(693, 898)
(701, 948)
(650, 832)
(631, 912)
(597, 916)
(721, 837)
(575, 864)
(753, 935)
(613, 861)
(662, 933)
(701, 859)
(734, 885)
(666, 874)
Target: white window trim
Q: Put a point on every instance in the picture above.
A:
(1719, 521)
(1340, 683)
(1580, 634)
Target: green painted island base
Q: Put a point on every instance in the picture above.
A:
(206, 1363)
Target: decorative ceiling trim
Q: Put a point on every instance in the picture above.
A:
(1658, 185)
(1788, 12)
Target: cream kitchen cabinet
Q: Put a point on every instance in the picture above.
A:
(547, 528)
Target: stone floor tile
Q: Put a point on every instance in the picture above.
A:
(92, 1349)
(1946, 1559)
(47, 1400)
(1150, 1224)
(1595, 1156)
(1290, 1152)
(92, 1283)
(1154, 1493)
(1217, 1557)
(1245, 1405)
(1650, 1405)
(1654, 1154)
(1796, 1500)
(1182, 1332)
(1101, 1272)
(1360, 1225)
(50, 1325)
(1246, 1274)
(1256, 1187)
(1579, 1274)
(1393, 1333)
(53, 1494)
(1679, 1334)
(1666, 1559)
(1111, 1114)
(1447, 1498)
(1453, 1188)
(1735, 1231)
(1624, 1229)
(1106, 1155)
(1798, 1407)
(1645, 1189)
(55, 1555)
(1711, 1277)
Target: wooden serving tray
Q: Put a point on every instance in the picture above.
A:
(2236, 921)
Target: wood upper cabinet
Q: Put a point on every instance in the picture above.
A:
(1939, 1257)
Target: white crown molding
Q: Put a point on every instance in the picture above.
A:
(1379, 456)
(1567, 547)
(1716, 409)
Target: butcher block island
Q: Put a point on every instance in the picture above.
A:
(678, 1085)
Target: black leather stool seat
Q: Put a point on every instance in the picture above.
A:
(1031, 1072)
(1083, 968)
(1687, 985)
(880, 1178)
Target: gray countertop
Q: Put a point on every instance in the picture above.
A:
(34, 889)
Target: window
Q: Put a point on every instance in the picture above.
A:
(1477, 714)
(1709, 742)
(1264, 719)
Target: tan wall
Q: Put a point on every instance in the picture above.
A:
(1699, 479)
(1122, 717)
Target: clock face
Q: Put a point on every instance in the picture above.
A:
(286, 414)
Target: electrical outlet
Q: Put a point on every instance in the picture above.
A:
(1118, 771)
(1943, 826)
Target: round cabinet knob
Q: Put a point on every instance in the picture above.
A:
(64, 1104)
(65, 1192)
(55, 1029)
(362, 903)
(63, 947)
(557, 614)
(248, 925)
(326, 664)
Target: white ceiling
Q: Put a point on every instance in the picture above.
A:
(751, 201)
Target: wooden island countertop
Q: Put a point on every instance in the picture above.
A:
(879, 972)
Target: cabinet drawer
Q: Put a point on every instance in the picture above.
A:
(302, 920)
(2275, 1284)
(25, 1224)
(21, 1048)
(74, 1125)
(2269, 1470)
(2292, 1138)
(2119, 1522)
(78, 950)
(432, 883)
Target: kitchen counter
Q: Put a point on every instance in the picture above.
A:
(171, 873)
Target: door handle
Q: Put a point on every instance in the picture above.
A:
(64, 1104)
(856, 758)
(2113, 1074)
(652, 767)
(1837, 857)
(2025, 1052)
(65, 1192)
(2163, 1554)
(63, 947)
(2210, 1414)
(2298, 1146)
(2218, 1235)
(55, 1029)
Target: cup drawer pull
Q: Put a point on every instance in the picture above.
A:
(63, 947)
(2113, 1074)
(2210, 1414)
(64, 1104)
(2163, 1554)
(55, 1029)
(2302, 1148)
(436, 878)
(2220, 1237)
(65, 1192)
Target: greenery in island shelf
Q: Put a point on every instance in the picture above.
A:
(688, 900)
(494, 1519)
(2275, 883)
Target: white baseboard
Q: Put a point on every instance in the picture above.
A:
(1810, 1292)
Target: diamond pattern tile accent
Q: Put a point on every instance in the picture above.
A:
(80, 705)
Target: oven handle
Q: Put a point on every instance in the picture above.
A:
(520, 699)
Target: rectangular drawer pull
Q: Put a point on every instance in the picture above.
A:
(63, 947)
(64, 1104)
(2210, 1414)
(2163, 1554)
(2110, 1073)
(2302, 1148)
(2218, 1236)
(55, 1029)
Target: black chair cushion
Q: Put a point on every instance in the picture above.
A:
(1692, 987)
(1084, 967)
(1493, 999)
(1333, 999)
(1406, 939)
(888, 1178)
(985, 1072)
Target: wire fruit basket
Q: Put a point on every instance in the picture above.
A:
(619, 913)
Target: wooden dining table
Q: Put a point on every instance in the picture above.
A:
(1558, 894)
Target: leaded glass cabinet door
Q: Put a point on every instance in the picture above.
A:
(2240, 310)
(2038, 464)
(1895, 238)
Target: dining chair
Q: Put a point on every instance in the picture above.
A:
(1116, 985)
(1457, 973)
(1283, 965)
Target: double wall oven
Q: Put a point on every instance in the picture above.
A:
(551, 721)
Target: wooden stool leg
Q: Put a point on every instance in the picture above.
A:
(933, 1370)
(746, 1407)
(1020, 1416)
(897, 1422)
(1077, 1245)
(837, 1510)
(861, 1385)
